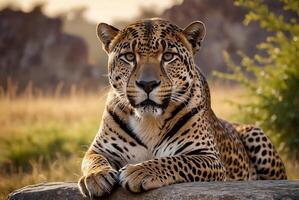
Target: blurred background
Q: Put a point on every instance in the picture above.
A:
(53, 75)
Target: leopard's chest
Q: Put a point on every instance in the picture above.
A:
(147, 131)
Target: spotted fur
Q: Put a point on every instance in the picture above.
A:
(158, 127)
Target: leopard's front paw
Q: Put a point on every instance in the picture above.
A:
(137, 178)
(97, 184)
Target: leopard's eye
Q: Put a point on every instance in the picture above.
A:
(168, 56)
(129, 57)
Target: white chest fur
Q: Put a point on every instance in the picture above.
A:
(146, 129)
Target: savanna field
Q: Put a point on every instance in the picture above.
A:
(43, 137)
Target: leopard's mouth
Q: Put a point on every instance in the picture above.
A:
(149, 107)
(148, 103)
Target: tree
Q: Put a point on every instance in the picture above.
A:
(271, 77)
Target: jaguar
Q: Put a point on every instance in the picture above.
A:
(158, 127)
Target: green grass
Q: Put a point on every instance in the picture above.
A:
(44, 138)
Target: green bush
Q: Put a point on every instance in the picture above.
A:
(271, 77)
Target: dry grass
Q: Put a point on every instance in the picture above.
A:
(43, 138)
(222, 101)
(32, 127)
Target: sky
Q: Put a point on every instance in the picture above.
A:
(97, 10)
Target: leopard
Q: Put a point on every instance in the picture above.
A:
(158, 127)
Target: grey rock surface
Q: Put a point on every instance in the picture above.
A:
(285, 190)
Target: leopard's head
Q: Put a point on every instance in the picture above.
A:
(151, 62)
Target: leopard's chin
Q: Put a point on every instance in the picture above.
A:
(148, 110)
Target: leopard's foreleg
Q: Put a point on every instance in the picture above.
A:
(98, 175)
(169, 170)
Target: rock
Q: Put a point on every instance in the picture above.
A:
(34, 48)
(201, 191)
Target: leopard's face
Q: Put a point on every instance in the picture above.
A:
(151, 62)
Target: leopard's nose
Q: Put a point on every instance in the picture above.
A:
(148, 86)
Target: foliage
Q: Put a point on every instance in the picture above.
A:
(272, 76)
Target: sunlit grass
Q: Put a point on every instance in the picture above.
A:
(44, 138)
(60, 169)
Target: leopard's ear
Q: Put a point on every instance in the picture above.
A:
(195, 33)
(106, 33)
